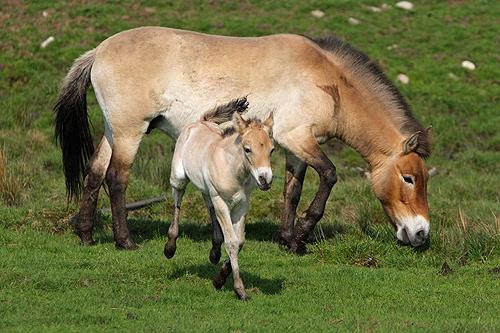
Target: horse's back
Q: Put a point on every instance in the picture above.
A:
(178, 74)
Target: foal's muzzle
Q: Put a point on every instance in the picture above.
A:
(263, 177)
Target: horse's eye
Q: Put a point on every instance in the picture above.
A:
(247, 150)
(272, 150)
(408, 179)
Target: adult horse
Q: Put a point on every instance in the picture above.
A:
(319, 89)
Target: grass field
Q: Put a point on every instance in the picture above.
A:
(356, 277)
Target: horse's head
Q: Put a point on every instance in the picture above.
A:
(257, 145)
(400, 183)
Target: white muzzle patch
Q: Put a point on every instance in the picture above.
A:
(263, 177)
(413, 230)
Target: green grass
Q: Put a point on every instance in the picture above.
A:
(355, 277)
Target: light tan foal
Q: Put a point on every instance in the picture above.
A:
(225, 168)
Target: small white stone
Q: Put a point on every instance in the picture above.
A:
(353, 21)
(46, 42)
(392, 47)
(317, 13)
(385, 6)
(45, 14)
(406, 5)
(404, 79)
(468, 65)
(375, 9)
(452, 76)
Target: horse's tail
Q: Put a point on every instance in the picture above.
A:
(223, 113)
(72, 128)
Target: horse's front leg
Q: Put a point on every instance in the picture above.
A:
(217, 236)
(309, 151)
(232, 245)
(295, 172)
(91, 185)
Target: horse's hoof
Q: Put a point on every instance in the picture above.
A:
(214, 256)
(87, 242)
(242, 295)
(297, 248)
(218, 282)
(126, 244)
(169, 250)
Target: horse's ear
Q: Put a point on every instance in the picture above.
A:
(411, 143)
(268, 124)
(239, 123)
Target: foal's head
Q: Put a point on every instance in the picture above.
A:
(401, 185)
(257, 145)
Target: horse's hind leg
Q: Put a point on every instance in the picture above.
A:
(92, 183)
(124, 151)
(309, 150)
(217, 237)
(295, 172)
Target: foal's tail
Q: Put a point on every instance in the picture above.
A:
(223, 113)
(72, 128)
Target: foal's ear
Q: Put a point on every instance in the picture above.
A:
(268, 124)
(239, 123)
(411, 143)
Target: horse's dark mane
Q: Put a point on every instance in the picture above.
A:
(360, 63)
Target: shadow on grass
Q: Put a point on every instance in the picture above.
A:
(145, 229)
(253, 283)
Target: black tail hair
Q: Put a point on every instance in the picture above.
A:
(72, 127)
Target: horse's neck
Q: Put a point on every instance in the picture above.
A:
(365, 125)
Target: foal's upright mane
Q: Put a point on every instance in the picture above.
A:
(361, 66)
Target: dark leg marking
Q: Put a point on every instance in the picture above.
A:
(117, 179)
(221, 277)
(173, 230)
(217, 236)
(88, 205)
(306, 223)
(295, 172)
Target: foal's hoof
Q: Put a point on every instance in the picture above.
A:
(169, 250)
(126, 244)
(242, 295)
(214, 256)
(218, 282)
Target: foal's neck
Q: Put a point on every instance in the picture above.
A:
(234, 157)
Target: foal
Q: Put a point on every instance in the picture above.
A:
(225, 167)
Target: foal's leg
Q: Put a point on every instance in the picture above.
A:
(217, 237)
(239, 230)
(309, 150)
(91, 185)
(173, 231)
(231, 243)
(124, 151)
(295, 172)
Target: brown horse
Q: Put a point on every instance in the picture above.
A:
(319, 89)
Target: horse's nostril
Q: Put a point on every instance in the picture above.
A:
(421, 234)
(262, 180)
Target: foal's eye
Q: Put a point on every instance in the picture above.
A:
(408, 179)
(272, 150)
(247, 150)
